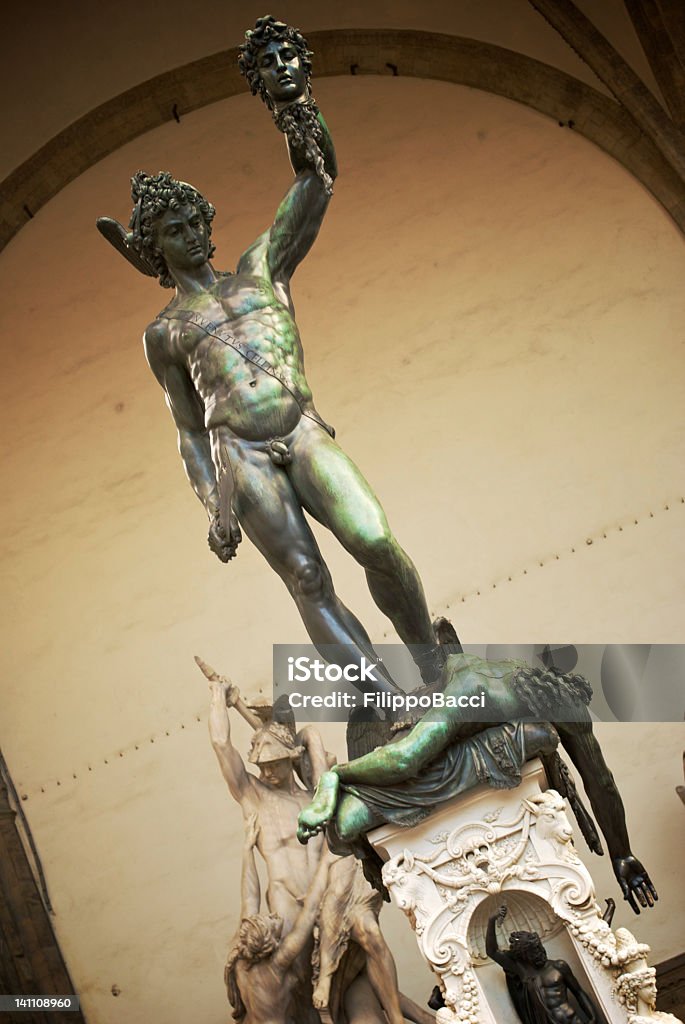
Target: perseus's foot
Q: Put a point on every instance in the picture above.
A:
(431, 660)
(316, 815)
(446, 635)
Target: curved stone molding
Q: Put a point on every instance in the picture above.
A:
(342, 52)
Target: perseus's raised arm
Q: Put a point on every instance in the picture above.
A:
(300, 215)
(276, 61)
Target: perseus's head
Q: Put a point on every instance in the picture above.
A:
(276, 62)
(170, 225)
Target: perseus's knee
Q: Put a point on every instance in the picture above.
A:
(346, 827)
(310, 579)
(376, 548)
(348, 822)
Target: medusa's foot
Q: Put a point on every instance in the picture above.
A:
(316, 815)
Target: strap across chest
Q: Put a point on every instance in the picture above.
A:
(219, 329)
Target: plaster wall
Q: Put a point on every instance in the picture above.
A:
(493, 319)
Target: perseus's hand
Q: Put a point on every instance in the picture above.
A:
(223, 544)
(635, 882)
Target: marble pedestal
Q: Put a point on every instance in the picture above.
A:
(487, 847)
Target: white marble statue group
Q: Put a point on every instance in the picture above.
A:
(312, 950)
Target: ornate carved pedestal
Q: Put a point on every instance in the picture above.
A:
(452, 872)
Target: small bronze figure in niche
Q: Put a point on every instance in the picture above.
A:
(543, 991)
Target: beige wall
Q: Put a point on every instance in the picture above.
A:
(493, 318)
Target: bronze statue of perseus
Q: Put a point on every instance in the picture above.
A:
(227, 352)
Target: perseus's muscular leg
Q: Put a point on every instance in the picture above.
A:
(270, 514)
(333, 489)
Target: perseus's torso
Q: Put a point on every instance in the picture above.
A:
(246, 360)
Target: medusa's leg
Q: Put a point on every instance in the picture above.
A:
(585, 752)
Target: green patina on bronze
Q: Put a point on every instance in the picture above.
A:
(228, 354)
(451, 749)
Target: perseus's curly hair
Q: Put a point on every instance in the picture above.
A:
(266, 29)
(527, 948)
(153, 195)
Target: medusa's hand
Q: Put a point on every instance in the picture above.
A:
(635, 882)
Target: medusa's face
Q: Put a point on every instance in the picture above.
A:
(281, 71)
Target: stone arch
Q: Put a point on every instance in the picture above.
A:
(407, 52)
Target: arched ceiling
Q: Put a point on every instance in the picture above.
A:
(542, 255)
(409, 53)
(92, 81)
(67, 59)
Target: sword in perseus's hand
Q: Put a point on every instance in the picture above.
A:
(239, 704)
